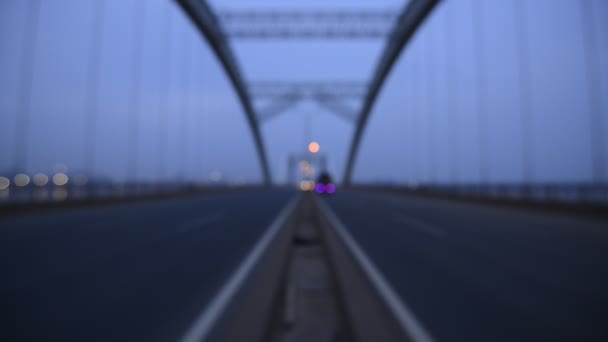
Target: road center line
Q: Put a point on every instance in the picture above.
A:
(419, 225)
(199, 223)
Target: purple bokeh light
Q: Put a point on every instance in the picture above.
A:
(320, 188)
(330, 188)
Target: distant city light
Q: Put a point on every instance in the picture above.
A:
(308, 172)
(5, 194)
(81, 180)
(118, 185)
(40, 194)
(61, 168)
(40, 179)
(239, 181)
(314, 147)
(307, 185)
(59, 194)
(304, 185)
(216, 176)
(60, 179)
(306, 168)
(21, 179)
(4, 183)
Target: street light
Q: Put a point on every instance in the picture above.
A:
(314, 147)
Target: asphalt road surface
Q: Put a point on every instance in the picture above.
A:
(143, 272)
(476, 273)
(134, 272)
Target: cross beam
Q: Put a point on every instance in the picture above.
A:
(331, 95)
(312, 24)
(351, 89)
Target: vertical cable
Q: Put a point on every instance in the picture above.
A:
(410, 118)
(594, 92)
(185, 96)
(406, 126)
(193, 112)
(93, 73)
(135, 92)
(421, 115)
(166, 59)
(307, 129)
(416, 117)
(26, 80)
(430, 92)
(525, 99)
(482, 92)
(201, 123)
(451, 75)
(415, 99)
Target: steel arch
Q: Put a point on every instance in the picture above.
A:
(413, 15)
(207, 23)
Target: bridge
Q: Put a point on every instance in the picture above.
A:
(200, 170)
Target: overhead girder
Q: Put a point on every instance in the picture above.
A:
(329, 94)
(310, 24)
(278, 105)
(413, 15)
(350, 89)
(281, 104)
(337, 106)
(207, 23)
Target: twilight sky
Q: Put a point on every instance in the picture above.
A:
(155, 70)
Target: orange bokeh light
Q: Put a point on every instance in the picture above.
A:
(314, 147)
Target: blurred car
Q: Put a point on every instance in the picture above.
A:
(325, 184)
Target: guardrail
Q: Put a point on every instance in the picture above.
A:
(13, 194)
(566, 193)
(573, 199)
(27, 200)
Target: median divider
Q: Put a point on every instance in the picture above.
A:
(306, 280)
(241, 309)
(374, 310)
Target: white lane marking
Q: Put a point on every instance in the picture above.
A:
(419, 225)
(199, 223)
(404, 315)
(203, 325)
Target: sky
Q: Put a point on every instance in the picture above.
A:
(161, 93)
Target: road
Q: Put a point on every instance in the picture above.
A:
(144, 271)
(476, 273)
(134, 272)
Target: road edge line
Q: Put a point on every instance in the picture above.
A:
(204, 323)
(402, 313)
